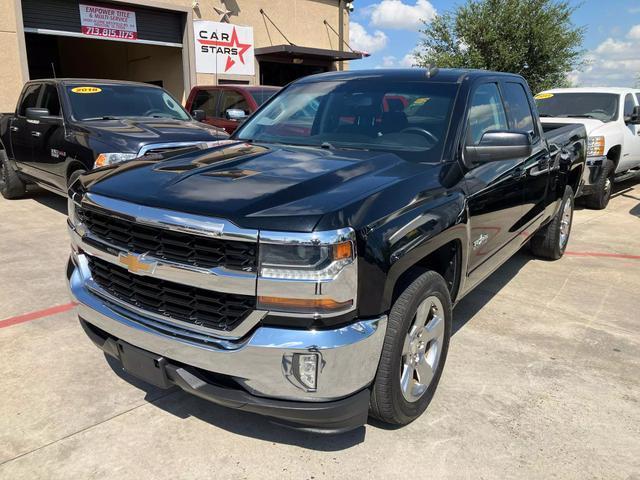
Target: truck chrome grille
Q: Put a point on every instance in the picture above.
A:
(195, 250)
(220, 311)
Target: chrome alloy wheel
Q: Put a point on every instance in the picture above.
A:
(422, 349)
(565, 223)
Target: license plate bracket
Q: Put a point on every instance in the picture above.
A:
(143, 365)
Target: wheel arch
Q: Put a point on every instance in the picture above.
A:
(614, 154)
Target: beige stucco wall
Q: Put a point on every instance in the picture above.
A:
(301, 21)
(11, 71)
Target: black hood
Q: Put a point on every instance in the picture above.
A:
(265, 186)
(129, 135)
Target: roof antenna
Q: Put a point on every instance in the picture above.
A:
(53, 68)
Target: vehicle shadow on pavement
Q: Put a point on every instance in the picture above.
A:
(475, 301)
(48, 199)
(183, 405)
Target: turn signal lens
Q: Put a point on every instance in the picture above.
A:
(342, 251)
(595, 146)
(302, 305)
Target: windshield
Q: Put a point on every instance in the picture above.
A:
(409, 118)
(97, 102)
(600, 106)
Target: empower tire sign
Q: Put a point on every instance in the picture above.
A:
(105, 22)
(223, 48)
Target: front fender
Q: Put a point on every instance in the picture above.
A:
(399, 242)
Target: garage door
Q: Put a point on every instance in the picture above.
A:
(62, 17)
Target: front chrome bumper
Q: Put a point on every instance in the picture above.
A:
(348, 356)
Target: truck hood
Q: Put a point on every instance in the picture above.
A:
(257, 185)
(129, 135)
(590, 124)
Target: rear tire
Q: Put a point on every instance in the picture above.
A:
(11, 186)
(74, 176)
(413, 355)
(552, 240)
(601, 195)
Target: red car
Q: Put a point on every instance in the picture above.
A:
(226, 106)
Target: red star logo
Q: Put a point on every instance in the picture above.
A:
(234, 42)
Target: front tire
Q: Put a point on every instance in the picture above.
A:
(601, 195)
(552, 240)
(414, 351)
(11, 186)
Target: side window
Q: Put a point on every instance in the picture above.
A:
(29, 99)
(518, 106)
(629, 104)
(206, 100)
(50, 100)
(231, 99)
(486, 113)
(638, 97)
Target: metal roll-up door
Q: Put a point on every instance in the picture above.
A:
(62, 17)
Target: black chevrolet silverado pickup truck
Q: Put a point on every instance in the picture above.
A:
(307, 268)
(62, 128)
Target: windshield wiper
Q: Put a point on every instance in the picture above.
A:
(104, 117)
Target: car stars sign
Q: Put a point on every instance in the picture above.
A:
(223, 48)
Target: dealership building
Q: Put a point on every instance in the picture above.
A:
(173, 43)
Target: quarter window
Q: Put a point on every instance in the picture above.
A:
(519, 109)
(486, 113)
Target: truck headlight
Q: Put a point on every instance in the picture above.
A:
(111, 158)
(308, 273)
(595, 146)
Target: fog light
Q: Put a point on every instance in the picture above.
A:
(305, 368)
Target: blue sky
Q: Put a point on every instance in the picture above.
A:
(388, 30)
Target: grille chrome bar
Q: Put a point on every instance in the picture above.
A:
(171, 220)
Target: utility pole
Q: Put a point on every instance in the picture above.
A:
(341, 31)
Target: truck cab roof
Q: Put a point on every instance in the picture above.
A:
(441, 75)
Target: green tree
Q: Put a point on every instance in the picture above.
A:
(533, 38)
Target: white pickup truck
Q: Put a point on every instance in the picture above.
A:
(612, 119)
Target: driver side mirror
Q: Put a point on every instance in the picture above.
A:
(199, 115)
(634, 118)
(495, 146)
(41, 114)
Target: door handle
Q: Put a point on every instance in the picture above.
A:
(35, 134)
(14, 129)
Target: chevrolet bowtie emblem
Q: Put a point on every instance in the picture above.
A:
(137, 263)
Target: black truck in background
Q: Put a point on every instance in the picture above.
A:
(307, 268)
(64, 127)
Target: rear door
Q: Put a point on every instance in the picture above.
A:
(495, 189)
(21, 128)
(537, 167)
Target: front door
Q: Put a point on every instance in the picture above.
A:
(538, 166)
(630, 157)
(48, 140)
(495, 189)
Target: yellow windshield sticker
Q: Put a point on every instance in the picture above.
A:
(542, 96)
(420, 101)
(86, 90)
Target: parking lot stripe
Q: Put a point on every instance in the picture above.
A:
(603, 254)
(27, 317)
